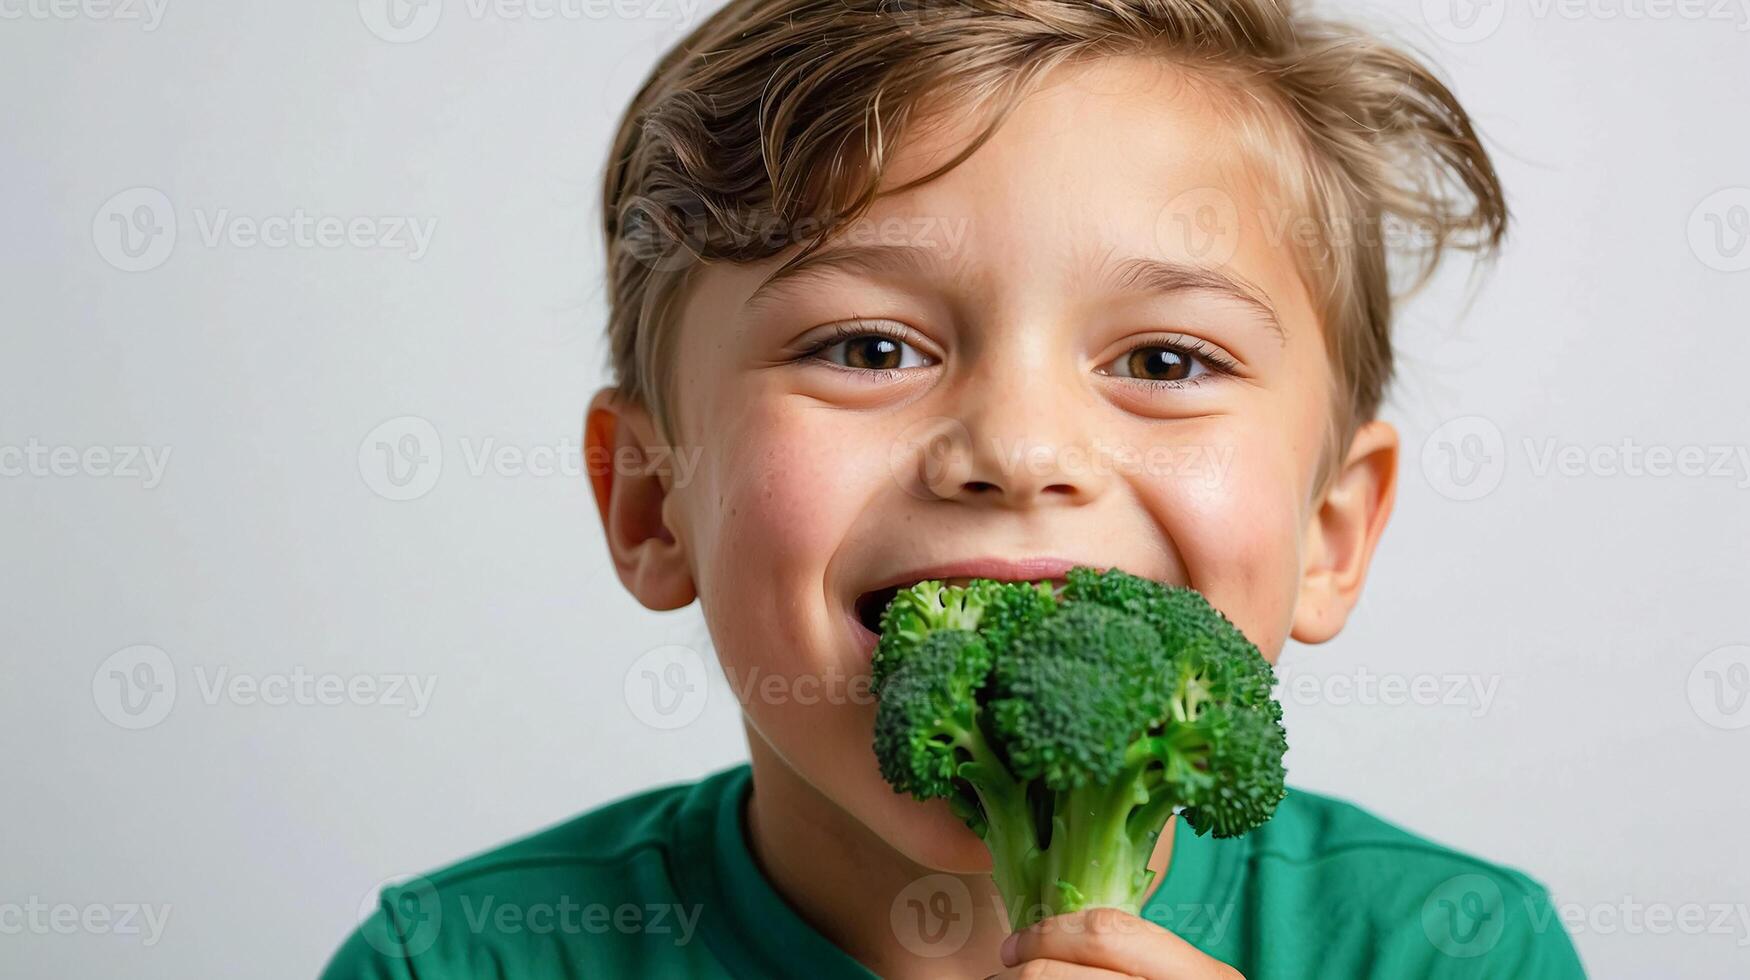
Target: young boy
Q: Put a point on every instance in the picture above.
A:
(991, 288)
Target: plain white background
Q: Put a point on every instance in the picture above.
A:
(1547, 669)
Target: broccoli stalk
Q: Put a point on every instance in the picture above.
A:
(1108, 833)
(1065, 730)
(1007, 823)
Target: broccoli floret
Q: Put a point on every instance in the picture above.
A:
(930, 743)
(1011, 608)
(932, 718)
(1070, 695)
(1066, 729)
(995, 609)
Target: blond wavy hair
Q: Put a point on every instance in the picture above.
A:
(783, 115)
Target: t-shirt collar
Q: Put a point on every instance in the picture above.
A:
(754, 932)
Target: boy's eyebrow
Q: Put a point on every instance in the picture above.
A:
(893, 260)
(1161, 276)
(1131, 275)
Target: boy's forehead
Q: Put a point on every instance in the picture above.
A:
(1118, 159)
(1126, 111)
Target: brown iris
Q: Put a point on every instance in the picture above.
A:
(1158, 364)
(873, 352)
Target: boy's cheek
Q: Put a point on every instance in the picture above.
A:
(772, 515)
(764, 494)
(1238, 537)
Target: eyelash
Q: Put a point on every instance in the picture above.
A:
(851, 331)
(1217, 363)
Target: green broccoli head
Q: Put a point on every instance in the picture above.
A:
(1241, 768)
(1073, 691)
(1067, 727)
(1182, 614)
(994, 609)
(929, 713)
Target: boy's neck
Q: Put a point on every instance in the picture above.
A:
(842, 879)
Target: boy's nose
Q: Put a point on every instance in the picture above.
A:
(1016, 451)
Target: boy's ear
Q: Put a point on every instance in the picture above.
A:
(1342, 533)
(630, 493)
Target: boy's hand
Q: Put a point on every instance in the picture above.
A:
(1105, 944)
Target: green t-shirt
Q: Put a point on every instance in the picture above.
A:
(662, 884)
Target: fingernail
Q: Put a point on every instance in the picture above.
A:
(1008, 952)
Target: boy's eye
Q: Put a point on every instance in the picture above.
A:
(1158, 364)
(1169, 364)
(866, 349)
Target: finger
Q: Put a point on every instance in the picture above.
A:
(1113, 939)
(1058, 970)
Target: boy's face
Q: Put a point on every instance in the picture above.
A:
(1049, 396)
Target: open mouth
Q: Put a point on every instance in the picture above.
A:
(870, 605)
